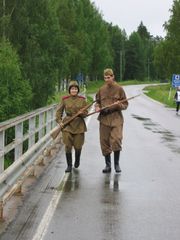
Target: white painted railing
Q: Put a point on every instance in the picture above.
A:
(31, 136)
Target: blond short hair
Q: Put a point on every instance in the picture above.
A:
(108, 71)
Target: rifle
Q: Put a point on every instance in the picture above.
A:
(55, 132)
(109, 106)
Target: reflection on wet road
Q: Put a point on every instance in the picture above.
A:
(73, 182)
(111, 206)
(105, 197)
(111, 183)
(167, 137)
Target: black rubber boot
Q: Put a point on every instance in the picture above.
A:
(116, 161)
(107, 168)
(69, 162)
(77, 158)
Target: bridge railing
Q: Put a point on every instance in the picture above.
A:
(23, 139)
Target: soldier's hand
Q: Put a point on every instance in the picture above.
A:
(97, 109)
(121, 106)
(117, 102)
(80, 112)
(61, 125)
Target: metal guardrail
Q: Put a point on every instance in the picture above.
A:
(31, 136)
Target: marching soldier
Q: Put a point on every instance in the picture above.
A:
(73, 133)
(111, 119)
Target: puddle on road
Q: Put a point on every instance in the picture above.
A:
(72, 183)
(167, 137)
(112, 183)
(110, 206)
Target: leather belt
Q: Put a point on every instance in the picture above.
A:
(108, 111)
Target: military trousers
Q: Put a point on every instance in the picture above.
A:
(110, 138)
(72, 140)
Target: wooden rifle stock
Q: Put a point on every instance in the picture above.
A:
(55, 132)
(109, 106)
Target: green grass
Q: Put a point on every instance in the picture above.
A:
(162, 93)
(7, 163)
(93, 86)
(57, 97)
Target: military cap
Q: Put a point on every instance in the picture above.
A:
(73, 84)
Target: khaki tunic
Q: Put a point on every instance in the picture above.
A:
(111, 124)
(73, 133)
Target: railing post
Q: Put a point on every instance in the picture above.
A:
(2, 151)
(41, 123)
(48, 121)
(53, 117)
(31, 132)
(1, 209)
(18, 138)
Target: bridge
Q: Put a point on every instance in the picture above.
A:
(32, 129)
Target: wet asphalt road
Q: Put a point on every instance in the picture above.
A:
(141, 203)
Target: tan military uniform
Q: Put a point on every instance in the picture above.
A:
(111, 121)
(73, 133)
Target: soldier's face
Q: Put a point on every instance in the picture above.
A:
(74, 91)
(109, 79)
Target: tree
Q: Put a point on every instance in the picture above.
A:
(87, 37)
(147, 48)
(118, 41)
(135, 65)
(143, 32)
(101, 46)
(161, 60)
(173, 39)
(41, 47)
(15, 91)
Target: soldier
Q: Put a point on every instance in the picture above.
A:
(73, 133)
(111, 119)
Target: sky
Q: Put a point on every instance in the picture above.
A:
(128, 14)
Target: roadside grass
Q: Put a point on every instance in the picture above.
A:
(162, 93)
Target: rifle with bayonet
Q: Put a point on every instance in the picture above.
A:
(55, 132)
(113, 104)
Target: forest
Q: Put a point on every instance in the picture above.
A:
(43, 43)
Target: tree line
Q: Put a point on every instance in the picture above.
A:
(44, 42)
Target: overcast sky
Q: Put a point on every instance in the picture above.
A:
(128, 14)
